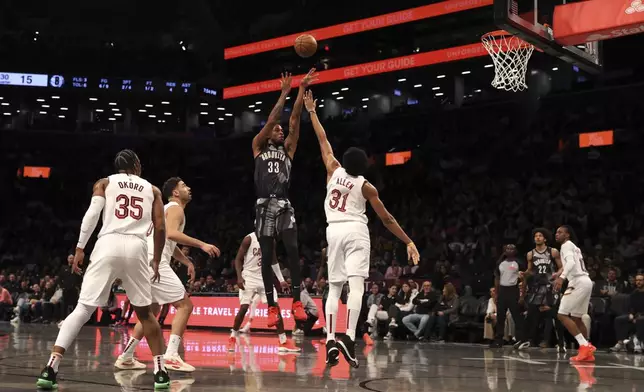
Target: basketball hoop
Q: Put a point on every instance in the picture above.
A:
(510, 56)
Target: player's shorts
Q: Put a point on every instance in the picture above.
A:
(169, 288)
(348, 252)
(254, 287)
(541, 295)
(576, 298)
(273, 216)
(117, 256)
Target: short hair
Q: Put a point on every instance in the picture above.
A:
(545, 232)
(126, 160)
(355, 161)
(169, 186)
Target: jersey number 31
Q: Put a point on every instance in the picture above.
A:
(334, 202)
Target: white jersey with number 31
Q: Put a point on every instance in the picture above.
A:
(128, 206)
(344, 199)
(571, 253)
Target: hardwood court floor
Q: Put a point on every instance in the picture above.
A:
(257, 366)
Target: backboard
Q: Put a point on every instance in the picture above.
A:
(531, 20)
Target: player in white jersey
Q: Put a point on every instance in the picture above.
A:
(248, 264)
(348, 236)
(574, 302)
(130, 207)
(169, 289)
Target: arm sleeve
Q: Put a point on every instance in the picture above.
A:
(90, 220)
(278, 272)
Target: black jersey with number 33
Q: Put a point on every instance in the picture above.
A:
(272, 172)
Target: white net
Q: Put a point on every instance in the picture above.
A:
(510, 56)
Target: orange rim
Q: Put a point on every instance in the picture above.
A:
(497, 33)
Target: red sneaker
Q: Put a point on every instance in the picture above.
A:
(585, 354)
(367, 339)
(273, 316)
(298, 311)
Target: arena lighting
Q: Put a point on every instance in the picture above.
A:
(364, 106)
(477, 90)
(439, 94)
(436, 88)
(555, 68)
(222, 109)
(359, 26)
(600, 138)
(402, 79)
(42, 100)
(335, 93)
(488, 66)
(142, 110)
(251, 106)
(64, 108)
(229, 114)
(112, 119)
(440, 77)
(365, 99)
(167, 114)
(116, 109)
(257, 110)
(321, 100)
(7, 114)
(149, 106)
(99, 110)
(320, 106)
(5, 104)
(344, 89)
(1, 98)
(204, 113)
(61, 116)
(211, 123)
(118, 114)
(418, 85)
(93, 99)
(165, 103)
(287, 98)
(152, 116)
(339, 98)
(466, 72)
(220, 119)
(258, 103)
(204, 104)
(112, 103)
(43, 112)
(55, 97)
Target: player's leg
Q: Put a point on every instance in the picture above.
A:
(251, 314)
(574, 304)
(337, 277)
(265, 230)
(286, 345)
(163, 314)
(287, 229)
(95, 291)
(245, 298)
(127, 361)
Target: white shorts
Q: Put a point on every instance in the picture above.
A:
(169, 288)
(117, 256)
(575, 300)
(348, 252)
(254, 287)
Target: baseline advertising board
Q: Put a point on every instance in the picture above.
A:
(220, 312)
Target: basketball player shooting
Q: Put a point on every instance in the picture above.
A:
(248, 265)
(169, 289)
(274, 213)
(130, 207)
(574, 302)
(348, 235)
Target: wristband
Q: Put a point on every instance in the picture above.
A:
(410, 244)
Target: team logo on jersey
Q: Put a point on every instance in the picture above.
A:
(273, 154)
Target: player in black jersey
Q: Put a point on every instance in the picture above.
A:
(543, 262)
(273, 211)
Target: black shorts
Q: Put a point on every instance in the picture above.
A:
(273, 216)
(540, 295)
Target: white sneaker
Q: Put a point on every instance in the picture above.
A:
(637, 349)
(131, 363)
(245, 329)
(389, 336)
(393, 324)
(175, 363)
(298, 332)
(15, 320)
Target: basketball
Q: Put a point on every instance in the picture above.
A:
(305, 45)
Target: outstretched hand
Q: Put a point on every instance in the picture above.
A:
(310, 78)
(285, 82)
(310, 103)
(412, 253)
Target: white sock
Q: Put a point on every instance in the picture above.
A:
(130, 347)
(282, 338)
(581, 340)
(54, 361)
(354, 303)
(335, 289)
(234, 334)
(173, 345)
(158, 363)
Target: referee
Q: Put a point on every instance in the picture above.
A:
(508, 294)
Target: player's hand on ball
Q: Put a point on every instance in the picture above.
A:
(309, 78)
(285, 82)
(309, 103)
(412, 253)
(79, 256)
(211, 250)
(155, 269)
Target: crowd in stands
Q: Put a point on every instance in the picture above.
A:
(480, 177)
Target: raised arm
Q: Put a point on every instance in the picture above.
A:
(174, 217)
(158, 221)
(239, 260)
(371, 193)
(90, 220)
(294, 122)
(273, 118)
(328, 158)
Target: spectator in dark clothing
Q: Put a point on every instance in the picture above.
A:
(445, 313)
(611, 285)
(70, 283)
(624, 324)
(425, 302)
(12, 284)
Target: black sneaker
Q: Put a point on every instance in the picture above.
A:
(348, 349)
(47, 379)
(496, 344)
(332, 353)
(161, 380)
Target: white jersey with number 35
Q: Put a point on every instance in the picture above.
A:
(128, 206)
(570, 253)
(253, 260)
(344, 199)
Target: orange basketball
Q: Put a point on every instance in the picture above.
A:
(305, 45)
